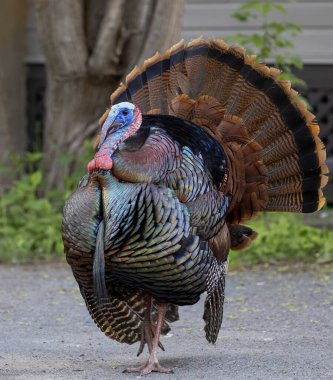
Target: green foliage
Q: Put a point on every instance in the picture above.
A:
(30, 218)
(87, 153)
(58, 197)
(274, 40)
(284, 237)
(29, 224)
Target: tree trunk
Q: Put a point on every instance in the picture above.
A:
(12, 84)
(89, 46)
(73, 108)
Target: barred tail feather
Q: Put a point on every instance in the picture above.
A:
(276, 157)
(115, 318)
(121, 316)
(213, 309)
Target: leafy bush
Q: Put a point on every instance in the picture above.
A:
(30, 227)
(29, 224)
(273, 41)
(30, 219)
(284, 237)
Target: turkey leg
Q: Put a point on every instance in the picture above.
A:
(152, 364)
(147, 333)
(148, 329)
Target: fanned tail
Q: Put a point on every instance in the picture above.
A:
(277, 161)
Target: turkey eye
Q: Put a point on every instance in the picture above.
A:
(125, 112)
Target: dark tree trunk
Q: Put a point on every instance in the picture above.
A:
(89, 46)
(12, 83)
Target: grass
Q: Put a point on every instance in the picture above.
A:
(285, 237)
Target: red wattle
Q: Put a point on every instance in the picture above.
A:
(102, 161)
(91, 166)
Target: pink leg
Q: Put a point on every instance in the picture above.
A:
(152, 365)
(147, 333)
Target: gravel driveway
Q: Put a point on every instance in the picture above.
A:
(276, 326)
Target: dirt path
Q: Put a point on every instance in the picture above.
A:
(276, 326)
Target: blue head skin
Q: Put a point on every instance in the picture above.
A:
(123, 120)
(121, 115)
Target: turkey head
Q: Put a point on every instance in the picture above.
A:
(123, 120)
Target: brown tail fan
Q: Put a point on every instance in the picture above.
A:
(277, 161)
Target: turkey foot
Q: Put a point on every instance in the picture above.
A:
(152, 365)
(148, 329)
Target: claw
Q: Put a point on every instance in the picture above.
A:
(160, 345)
(155, 367)
(148, 367)
(148, 333)
(140, 350)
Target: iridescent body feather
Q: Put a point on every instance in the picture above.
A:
(151, 225)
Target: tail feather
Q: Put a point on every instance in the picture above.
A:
(137, 88)
(196, 66)
(116, 318)
(177, 81)
(154, 81)
(276, 158)
(213, 309)
(241, 236)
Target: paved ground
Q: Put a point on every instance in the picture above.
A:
(277, 326)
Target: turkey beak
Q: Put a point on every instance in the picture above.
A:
(112, 128)
(108, 124)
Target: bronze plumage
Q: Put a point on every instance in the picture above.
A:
(150, 227)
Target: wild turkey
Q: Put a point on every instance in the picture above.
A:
(198, 140)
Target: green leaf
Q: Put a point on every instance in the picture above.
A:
(292, 28)
(242, 16)
(277, 27)
(266, 7)
(257, 40)
(273, 42)
(284, 43)
(295, 81)
(279, 8)
(249, 6)
(36, 179)
(296, 62)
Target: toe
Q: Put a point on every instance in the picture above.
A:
(154, 367)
